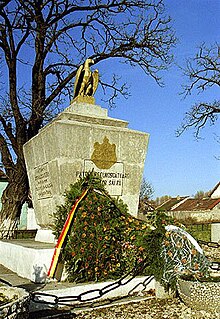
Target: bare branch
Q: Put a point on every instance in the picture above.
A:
(199, 115)
(42, 44)
(203, 72)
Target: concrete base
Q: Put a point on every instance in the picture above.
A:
(215, 232)
(45, 236)
(27, 258)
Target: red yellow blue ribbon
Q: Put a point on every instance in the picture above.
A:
(64, 232)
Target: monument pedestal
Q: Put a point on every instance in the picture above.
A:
(80, 139)
(45, 236)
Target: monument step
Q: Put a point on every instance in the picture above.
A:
(27, 258)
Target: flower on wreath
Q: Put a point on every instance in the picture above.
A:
(166, 243)
(167, 234)
(179, 244)
(196, 266)
(86, 265)
(194, 252)
(84, 214)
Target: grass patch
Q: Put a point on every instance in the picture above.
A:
(200, 232)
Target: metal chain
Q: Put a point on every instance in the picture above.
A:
(90, 295)
(209, 243)
(214, 265)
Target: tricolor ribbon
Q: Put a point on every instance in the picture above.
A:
(61, 239)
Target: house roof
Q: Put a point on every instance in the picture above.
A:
(192, 204)
(3, 176)
(170, 203)
(214, 189)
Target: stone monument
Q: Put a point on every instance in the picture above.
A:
(80, 139)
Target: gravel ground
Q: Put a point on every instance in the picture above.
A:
(148, 309)
(151, 308)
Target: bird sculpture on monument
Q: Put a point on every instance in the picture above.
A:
(86, 82)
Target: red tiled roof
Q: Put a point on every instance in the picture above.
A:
(170, 203)
(192, 204)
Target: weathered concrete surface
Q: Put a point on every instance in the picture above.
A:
(196, 217)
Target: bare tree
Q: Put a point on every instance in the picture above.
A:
(146, 193)
(203, 72)
(160, 200)
(147, 190)
(43, 42)
(201, 194)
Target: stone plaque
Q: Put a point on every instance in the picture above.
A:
(112, 178)
(42, 181)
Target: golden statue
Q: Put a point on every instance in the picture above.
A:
(86, 83)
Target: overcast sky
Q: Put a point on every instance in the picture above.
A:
(175, 166)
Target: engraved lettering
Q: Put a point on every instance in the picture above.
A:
(42, 182)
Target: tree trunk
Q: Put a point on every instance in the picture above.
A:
(13, 197)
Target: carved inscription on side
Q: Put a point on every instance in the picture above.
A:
(43, 184)
(111, 178)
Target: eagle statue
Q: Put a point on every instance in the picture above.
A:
(86, 81)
